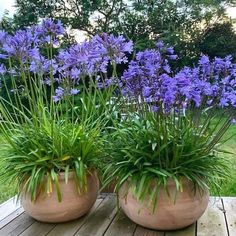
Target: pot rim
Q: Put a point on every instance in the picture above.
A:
(71, 173)
(170, 181)
(184, 182)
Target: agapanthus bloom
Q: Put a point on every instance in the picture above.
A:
(149, 78)
(93, 56)
(213, 82)
(3, 36)
(3, 69)
(74, 91)
(20, 45)
(59, 93)
(49, 30)
(113, 48)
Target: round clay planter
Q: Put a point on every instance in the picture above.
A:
(47, 208)
(168, 215)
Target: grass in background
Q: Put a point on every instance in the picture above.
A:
(6, 192)
(228, 189)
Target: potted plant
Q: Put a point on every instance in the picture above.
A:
(165, 155)
(54, 108)
(54, 166)
(52, 152)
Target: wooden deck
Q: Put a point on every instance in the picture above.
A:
(218, 220)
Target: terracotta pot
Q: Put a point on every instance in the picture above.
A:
(46, 208)
(168, 215)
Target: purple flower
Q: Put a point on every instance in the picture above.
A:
(170, 50)
(3, 69)
(49, 27)
(19, 45)
(211, 83)
(147, 92)
(172, 57)
(74, 91)
(94, 56)
(204, 60)
(112, 48)
(160, 44)
(75, 73)
(155, 108)
(148, 77)
(59, 93)
(233, 121)
(3, 36)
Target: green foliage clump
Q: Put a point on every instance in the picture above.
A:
(36, 152)
(149, 150)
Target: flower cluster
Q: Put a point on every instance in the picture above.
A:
(149, 79)
(19, 45)
(30, 50)
(149, 76)
(94, 56)
(212, 83)
(25, 45)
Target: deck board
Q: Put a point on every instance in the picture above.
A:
(229, 204)
(71, 227)
(8, 207)
(104, 220)
(140, 231)
(97, 223)
(121, 223)
(189, 231)
(212, 222)
(11, 217)
(17, 226)
(38, 229)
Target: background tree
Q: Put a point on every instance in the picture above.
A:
(219, 40)
(189, 25)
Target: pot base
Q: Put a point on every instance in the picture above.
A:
(46, 208)
(167, 214)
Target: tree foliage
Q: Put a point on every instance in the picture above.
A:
(189, 25)
(219, 40)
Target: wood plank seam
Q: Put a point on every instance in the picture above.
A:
(11, 219)
(51, 230)
(110, 223)
(135, 229)
(16, 213)
(102, 197)
(37, 223)
(25, 228)
(30, 225)
(225, 216)
(108, 201)
(212, 222)
(196, 228)
(17, 226)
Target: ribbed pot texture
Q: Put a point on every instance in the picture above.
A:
(46, 208)
(168, 215)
